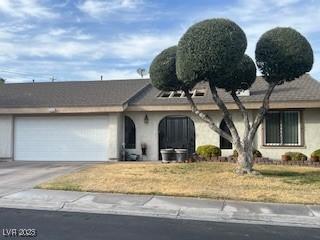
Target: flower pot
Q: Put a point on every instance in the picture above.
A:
(181, 154)
(167, 155)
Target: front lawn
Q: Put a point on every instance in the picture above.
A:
(287, 184)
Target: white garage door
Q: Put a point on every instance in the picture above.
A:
(76, 138)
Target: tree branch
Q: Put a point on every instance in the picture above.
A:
(206, 118)
(226, 115)
(262, 111)
(243, 111)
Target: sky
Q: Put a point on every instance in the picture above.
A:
(84, 39)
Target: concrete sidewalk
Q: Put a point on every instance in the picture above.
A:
(166, 207)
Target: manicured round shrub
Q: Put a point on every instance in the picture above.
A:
(256, 153)
(316, 153)
(296, 156)
(210, 50)
(208, 151)
(283, 54)
(242, 77)
(235, 154)
(163, 70)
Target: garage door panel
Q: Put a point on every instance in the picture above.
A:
(61, 138)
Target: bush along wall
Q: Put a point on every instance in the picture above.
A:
(298, 159)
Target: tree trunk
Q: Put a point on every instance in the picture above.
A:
(245, 160)
(244, 147)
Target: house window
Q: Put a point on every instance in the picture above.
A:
(181, 94)
(282, 128)
(198, 93)
(224, 143)
(130, 133)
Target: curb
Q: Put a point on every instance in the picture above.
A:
(162, 207)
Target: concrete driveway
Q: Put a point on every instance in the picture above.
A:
(17, 176)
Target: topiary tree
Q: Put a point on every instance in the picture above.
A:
(213, 51)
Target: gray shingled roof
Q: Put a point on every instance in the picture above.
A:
(69, 94)
(302, 89)
(136, 92)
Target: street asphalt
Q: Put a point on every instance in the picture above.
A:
(66, 225)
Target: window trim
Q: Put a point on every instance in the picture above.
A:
(300, 131)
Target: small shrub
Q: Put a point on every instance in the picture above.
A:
(256, 153)
(316, 153)
(208, 151)
(235, 154)
(296, 156)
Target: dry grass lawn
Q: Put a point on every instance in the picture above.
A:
(286, 184)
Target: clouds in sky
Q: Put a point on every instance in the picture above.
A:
(100, 8)
(83, 39)
(26, 8)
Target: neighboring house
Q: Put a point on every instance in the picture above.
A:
(89, 121)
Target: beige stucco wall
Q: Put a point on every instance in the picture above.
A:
(115, 135)
(148, 133)
(6, 130)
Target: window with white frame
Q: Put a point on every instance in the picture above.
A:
(282, 128)
(181, 94)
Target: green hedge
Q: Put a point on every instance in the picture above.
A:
(296, 156)
(256, 153)
(316, 153)
(208, 151)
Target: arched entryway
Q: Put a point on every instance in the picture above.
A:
(177, 132)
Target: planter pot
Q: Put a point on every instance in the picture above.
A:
(133, 157)
(167, 155)
(314, 159)
(181, 155)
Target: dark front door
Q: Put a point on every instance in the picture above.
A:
(177, 132)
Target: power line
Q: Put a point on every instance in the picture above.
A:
(33, 77)
(21, 73)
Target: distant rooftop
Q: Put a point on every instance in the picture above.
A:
(70, 93)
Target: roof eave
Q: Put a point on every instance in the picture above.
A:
(61, 110)
(230, 106)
